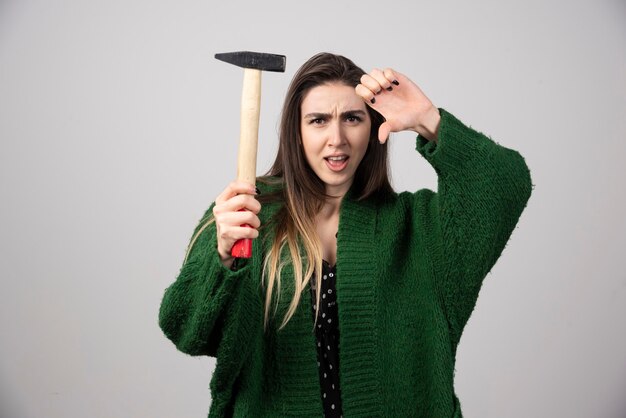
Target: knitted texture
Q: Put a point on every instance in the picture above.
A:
(409, 267)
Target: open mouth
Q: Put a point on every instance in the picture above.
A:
(337, 163)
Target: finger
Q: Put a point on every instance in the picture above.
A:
(233, 189)
(237, 219)
(238, 202)
(381, 79)
(366, 94)
(242, 232)
(383, 132)
(229, 234)
(370, 83)
(391, 76)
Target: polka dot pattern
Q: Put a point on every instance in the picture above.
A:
(327, 335)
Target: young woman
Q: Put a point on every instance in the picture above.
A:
(355, 298)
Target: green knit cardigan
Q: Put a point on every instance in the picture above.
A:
(409, 270)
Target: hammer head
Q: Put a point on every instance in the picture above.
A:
(256, 60)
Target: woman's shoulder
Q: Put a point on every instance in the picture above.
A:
(270, 184)
(401, 209)
(271, 196)
(406, 200)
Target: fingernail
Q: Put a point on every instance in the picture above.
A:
(396, 82)
(373, 100)
(389, 88)
(256, 189)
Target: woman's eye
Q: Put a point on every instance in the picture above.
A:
(316, 121)
(352, 118)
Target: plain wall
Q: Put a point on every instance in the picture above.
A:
(118, 128)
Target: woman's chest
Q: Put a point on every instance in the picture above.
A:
(327, 233)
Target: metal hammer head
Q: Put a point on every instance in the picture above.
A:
(256, 60)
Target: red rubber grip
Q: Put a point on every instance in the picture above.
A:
(242, 248)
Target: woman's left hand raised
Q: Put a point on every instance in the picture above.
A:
(401, 102)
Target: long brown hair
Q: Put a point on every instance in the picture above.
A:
(303, 193)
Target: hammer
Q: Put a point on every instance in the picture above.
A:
(253, 63)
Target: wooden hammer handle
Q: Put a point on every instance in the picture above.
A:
(248, 140)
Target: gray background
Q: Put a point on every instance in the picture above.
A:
(118, 129)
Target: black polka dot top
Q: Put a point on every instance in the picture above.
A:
(327, 335)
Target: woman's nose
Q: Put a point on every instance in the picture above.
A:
(335, 135)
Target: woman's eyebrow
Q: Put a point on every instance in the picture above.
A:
(317, 115)
(356, 112)
(320, 115)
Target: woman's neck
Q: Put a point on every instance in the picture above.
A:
(333, 202)
(330, 208)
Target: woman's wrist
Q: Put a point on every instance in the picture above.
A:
(429, 127)
(226, 259)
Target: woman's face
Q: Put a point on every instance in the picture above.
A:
(335, 129)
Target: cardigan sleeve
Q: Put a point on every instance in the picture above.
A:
(483, 188)
(210, 309)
